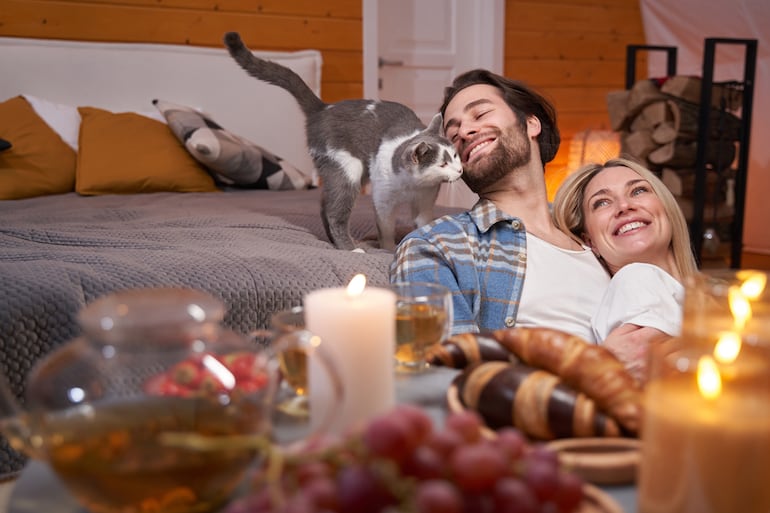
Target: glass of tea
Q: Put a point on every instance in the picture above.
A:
(423, 318)
(292, 397)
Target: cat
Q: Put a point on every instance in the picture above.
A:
(355, 142)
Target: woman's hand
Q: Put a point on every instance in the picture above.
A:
(631, 343)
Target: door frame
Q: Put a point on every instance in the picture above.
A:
(479, 32)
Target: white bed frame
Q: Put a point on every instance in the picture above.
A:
(128, 76)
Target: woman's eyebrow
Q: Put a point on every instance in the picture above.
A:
(629, 183)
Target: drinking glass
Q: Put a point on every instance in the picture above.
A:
(706, 430)
(292, 397)
(423, 318)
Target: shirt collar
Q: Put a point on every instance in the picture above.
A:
(485, 214)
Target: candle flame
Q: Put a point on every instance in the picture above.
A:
(709, 380)
(739, 306)
(753, 283)
(728, 346)
(356, 285)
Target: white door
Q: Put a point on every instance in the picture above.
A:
(414, 48)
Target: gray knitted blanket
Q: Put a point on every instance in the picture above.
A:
(258, 251)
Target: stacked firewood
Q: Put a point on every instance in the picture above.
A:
(658, 119)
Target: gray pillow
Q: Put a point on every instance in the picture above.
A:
(231, 159)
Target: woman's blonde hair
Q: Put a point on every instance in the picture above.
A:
(569, 217)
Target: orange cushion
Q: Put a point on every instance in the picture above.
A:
(39, 162)
(126, 153)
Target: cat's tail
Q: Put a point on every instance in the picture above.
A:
(273, 73)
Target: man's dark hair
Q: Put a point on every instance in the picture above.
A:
(521, 99)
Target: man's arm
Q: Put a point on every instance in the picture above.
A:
(420, 260)
(631, 344)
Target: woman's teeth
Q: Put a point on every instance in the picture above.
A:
(628, 227)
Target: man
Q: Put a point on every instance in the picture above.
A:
(504, 260)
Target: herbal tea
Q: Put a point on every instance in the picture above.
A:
(113, 461)
(418, 326)
(293, 363)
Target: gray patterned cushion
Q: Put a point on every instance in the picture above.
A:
(231, 159)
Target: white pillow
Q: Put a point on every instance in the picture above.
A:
(65, 119)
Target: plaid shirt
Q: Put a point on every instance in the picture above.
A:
(480, 255)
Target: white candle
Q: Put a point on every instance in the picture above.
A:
(357, 329)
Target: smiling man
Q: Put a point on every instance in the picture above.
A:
(504, 260)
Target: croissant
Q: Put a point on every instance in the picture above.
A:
(587, 368)
(460, 351)
(533, 400)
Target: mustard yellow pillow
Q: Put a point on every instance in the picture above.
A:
(126, 153)
(38, 162)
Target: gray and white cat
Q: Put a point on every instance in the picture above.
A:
(355, 142)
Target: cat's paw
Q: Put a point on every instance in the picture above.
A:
(358, 250)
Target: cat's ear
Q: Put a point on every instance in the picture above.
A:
(420, 151)
(436, 125)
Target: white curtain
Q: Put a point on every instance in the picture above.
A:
(686, 24)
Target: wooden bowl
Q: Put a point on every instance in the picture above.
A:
(601, 461)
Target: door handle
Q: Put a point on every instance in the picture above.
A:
(385, 62)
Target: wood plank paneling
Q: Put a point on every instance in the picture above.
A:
(574, 52)
(333, 27)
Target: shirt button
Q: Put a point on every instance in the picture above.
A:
(509, 322)
(516, 224)
(522, 257)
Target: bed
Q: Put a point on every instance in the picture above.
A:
(117, 221)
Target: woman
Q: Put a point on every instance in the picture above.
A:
(636, 229)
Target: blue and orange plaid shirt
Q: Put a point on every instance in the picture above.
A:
(480, 255)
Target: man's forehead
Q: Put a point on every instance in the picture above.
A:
(468, 98)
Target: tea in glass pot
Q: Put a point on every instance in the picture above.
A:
(141, 412)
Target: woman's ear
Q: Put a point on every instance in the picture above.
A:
(587, 241)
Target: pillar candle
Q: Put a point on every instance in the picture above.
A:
(357, 330)
(706, 454)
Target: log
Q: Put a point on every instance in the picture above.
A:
(688, 88)
(638, 144)
(681, 182)
(682, 153)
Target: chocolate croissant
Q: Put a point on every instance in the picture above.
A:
(460, 351)
(588, 368)
(533, 400)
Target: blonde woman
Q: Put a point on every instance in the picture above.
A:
(634, 226)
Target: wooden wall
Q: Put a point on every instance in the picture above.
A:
(332, 26)
(572, 50)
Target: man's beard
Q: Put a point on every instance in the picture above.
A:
(513, 150)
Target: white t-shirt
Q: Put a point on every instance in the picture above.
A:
(562, 288)
(641, 294)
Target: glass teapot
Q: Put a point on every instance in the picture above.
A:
(144, 412)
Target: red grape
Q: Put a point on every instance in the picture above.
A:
(437, 496)
(444, 442)
(512, 495)
(424, 463)
(398, 461)
(359, 491)
(467, 423)
(477, 467)
(388, 436)
(542, 477)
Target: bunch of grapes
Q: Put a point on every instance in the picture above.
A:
(399, 463)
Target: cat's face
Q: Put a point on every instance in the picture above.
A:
(433, 160)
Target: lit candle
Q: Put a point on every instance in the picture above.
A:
(706, 429)
(357, 328)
